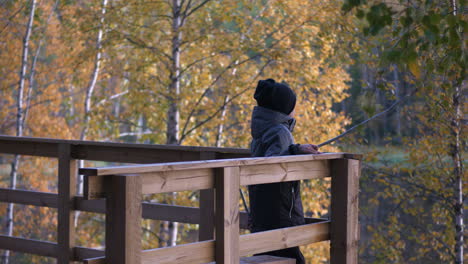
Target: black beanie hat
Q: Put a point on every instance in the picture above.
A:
(275, 96)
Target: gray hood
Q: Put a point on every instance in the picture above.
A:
(264, 118)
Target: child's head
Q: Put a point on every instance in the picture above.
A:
(275, 96)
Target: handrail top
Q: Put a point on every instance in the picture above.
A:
(16, 139)
(207, 164)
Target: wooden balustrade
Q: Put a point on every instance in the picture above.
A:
(216, 172)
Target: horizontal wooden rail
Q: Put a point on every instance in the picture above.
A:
(204, 252)
(29, 197)
(201, 174)
(36, 247)
(45, 248)
(113, 152)
(206, 164)
(82, 253)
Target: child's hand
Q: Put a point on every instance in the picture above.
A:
(308, 149)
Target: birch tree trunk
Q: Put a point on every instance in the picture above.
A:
(89, 95)
(19, 122)
(173, 115)
(219, 134)
(456, 149)
(91, 87)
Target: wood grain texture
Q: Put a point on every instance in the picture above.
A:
(30, 246)
(67, 176)
(108, 151)
(29, 197)
(206, 164)
(203, 178)
(193, 253)
(286, 171)
(227, 215)
(344, 211)
(283, 238)
(123, 220)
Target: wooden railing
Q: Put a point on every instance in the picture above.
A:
(123, 187)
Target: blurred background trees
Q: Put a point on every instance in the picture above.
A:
(184, 71)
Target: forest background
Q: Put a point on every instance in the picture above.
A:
(184, 71)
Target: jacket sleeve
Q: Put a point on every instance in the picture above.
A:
(277, 142)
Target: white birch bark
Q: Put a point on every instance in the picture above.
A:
(19, 122)
(456, 149)
(89, 94)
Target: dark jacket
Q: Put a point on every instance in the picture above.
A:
(273, 205)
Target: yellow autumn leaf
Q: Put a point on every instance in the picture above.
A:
(414, 69)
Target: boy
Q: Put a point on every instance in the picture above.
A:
(276, 205)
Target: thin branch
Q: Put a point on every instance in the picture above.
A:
(363, 122)
(209, 118)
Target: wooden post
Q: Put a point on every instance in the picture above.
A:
(123, 220)
(344, 211)
(67, 175)
(227, 183)
(207, 206)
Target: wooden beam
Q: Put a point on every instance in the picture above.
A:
(82, 253)
(286, 171)
(30, 246)
(283, 238)
(227, 215)
(193, 253)
(198, 178)
(203, 252)
(67, 190)
(94, 187)
(18, 145)
(344, 211)
(155, 211)
(207, 207)
(107, 151)
(123, 220)
(29, 197)
(205, 164)
(265, 259)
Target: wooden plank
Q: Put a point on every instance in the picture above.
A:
(17, 145)
(67, 190)
(155, 211)
(287, 171)
(283, 238)
(206, 164)
(157, 182)
(344, 211)
(108, 151)
(202, 178)
(265, 259)
(193, 253)
(94, 187)
(207, 207)
(203, 252)
(44, 199)
(176, 181)
(227, 215)
(123, 220)
(30, 246)
(82, 253)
